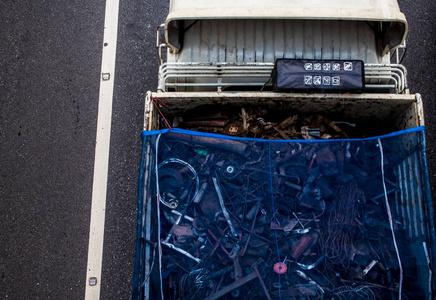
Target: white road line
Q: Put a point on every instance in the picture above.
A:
(101, 162)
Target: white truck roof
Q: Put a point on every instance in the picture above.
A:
(385, 11)
(311, 9)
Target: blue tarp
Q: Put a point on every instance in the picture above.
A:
(226, 217)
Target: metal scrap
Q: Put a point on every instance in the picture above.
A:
(322, 239)
(266, 123)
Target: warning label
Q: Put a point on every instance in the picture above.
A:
(348, 66)
(321, 75)
(307, 80)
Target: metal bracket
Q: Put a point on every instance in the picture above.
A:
(159, 44)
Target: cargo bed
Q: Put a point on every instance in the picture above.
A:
(393, 111)
(399, 118)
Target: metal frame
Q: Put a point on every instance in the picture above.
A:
(217, 76)
(204, 76)
(159, 44)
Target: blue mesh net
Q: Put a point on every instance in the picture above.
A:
(240, 218)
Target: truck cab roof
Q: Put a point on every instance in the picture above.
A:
(389, 22)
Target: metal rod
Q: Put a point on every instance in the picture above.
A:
(223, 208)
(311, 266)
(232, 286)
(262, 283)
(180, 214)
(252, 227)
(186, 253)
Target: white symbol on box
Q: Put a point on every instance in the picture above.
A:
(307, 80)
(326, 67)
(317, 66)
(317, 80)
(348, 66)
(336, 80)
(336, 67)
(308, 66)
(326, 80)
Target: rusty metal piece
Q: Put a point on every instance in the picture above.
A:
(287, 122)
(176, 223)
(316, 121)
(257, 248)
(327, 163)
(335, 127)
(252, 213)
(290, 224)
(217, 244)
(262, 283)
(218, 241)
(234, 128)
(238, 274)
(235, 252)
(244, 117)
(199, 227)
(255, 127)
(227, 289)
(182, 233)
(311, 281)
(172, 177)
(303, 244)
(282, 134)
(305, 133)
(298, 290)
(208, 123)
(227, 145)
(200, 194)
(293, 185)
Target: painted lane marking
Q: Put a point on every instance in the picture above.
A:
(101, 161)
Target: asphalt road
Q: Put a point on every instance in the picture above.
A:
(50, 56)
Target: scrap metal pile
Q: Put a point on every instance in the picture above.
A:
(259, 122)
(279, 220)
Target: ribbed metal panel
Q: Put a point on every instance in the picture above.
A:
(410, 206)
(245, 41)
(213, 76)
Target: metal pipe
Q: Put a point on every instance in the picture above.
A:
(200, 194)
(181, 251)
(180, 214)
(369, 267)
(228, 145)
(223, 208)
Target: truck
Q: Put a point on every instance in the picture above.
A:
(283, 156)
